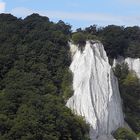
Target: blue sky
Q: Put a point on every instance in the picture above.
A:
(78, 13)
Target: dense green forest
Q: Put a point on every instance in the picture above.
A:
(35, 81)
(117, 40)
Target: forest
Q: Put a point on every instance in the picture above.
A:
(117, 40)
(35, 80)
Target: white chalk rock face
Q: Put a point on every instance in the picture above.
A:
(96, 93)
(133, 63)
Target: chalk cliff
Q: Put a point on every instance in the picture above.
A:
(96, 93)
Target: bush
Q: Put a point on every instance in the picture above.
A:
(79, 39)
(124, 134)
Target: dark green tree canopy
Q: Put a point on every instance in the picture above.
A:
(117, 40)
(35, 81)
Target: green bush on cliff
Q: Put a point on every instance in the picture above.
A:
(124, 134)
(79, 38)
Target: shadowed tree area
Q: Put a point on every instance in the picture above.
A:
(117, 40)
(130, 92)
(35, 81)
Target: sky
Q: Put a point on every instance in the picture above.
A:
(78, 13)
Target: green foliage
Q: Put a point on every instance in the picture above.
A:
(45, 118)
(130, 92)
(79, 38)
(35, 81)
(121, 71)
(117, 40)
(133, 49)
(92, 37)
(138, 135)
(124, 134)
(67, 85)
(131, 80)
(113, 40)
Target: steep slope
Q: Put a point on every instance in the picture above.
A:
(96, 94)
(34, 64)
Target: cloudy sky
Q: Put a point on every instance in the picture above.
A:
(78, 13)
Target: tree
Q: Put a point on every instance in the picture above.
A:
(79, 39)
(35, 81)
(129, 85)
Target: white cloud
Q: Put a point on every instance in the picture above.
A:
(97, 18)
(2, 7)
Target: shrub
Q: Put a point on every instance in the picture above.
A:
(124, 134)
(79, 39)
